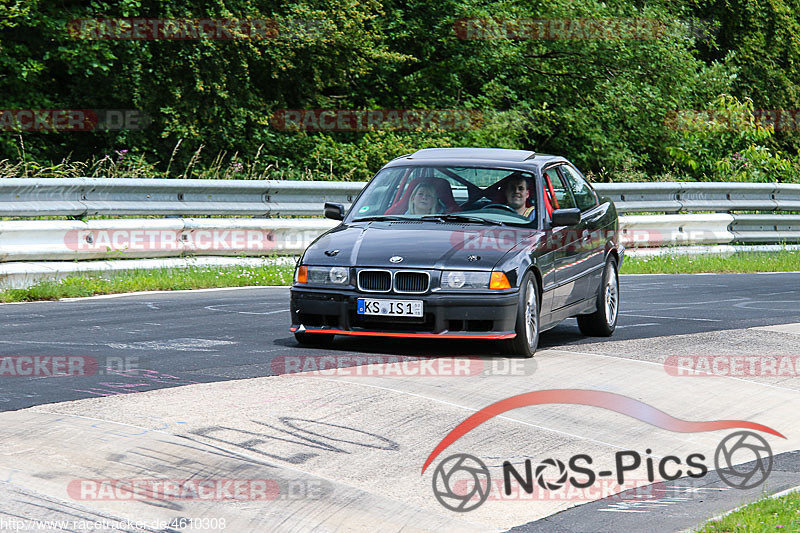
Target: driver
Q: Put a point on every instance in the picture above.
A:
(516, 194)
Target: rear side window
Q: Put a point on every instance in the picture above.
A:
(563, 195)
(584, 195)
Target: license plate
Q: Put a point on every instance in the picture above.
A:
(368, 306)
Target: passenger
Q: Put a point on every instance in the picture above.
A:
(516, 193)
(424, 201)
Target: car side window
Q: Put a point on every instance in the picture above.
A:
(584, 195)
(563, 195)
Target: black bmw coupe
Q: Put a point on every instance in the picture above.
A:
(467, 243)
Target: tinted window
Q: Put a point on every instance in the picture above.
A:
(584, 195)
(563, 197)
(418, 191)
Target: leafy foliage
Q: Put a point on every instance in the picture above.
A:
(607, 103)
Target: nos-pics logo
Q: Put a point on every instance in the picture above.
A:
(462, 482)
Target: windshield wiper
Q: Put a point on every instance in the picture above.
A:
(379, 217)
(461, 218)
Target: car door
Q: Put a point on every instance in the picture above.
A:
(564, 241)
(591, 253)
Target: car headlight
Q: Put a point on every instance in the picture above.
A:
(322, 275)
(457, 279)
(339, 275)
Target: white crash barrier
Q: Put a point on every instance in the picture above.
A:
(80, 197)
(43, 240)
(21, 275)
(46, 240)
(675, 230)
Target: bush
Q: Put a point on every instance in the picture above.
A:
(604, 103)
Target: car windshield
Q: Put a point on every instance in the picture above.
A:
(436, 193)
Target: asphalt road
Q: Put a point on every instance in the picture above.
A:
(350, 433)
(148, 341)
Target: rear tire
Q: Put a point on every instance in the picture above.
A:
(527, 325)
(603, 322)
(314, 339)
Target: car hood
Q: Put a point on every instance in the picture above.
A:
(420, 244)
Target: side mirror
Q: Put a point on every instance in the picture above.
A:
(334, 211)
(566, 217)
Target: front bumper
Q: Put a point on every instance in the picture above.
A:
(473, 316)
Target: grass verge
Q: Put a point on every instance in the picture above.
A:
(786, 261)
(768, 514)
(151, 280)
(209, 277)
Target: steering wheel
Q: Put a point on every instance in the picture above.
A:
(502, 206)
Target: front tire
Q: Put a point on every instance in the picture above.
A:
(603, 322)
(313, 339)
(527, 325)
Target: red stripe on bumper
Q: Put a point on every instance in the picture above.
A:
(416, 335)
